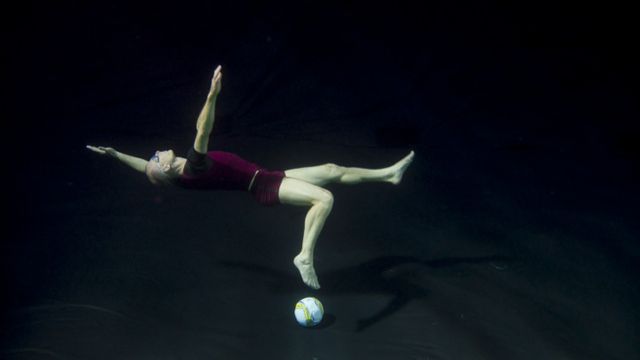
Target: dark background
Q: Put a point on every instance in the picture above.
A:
(513, 235)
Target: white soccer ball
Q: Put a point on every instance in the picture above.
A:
(309, 312)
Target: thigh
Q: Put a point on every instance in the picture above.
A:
(298, 192)
(317, 175)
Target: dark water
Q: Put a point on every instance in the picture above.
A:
(512, 236)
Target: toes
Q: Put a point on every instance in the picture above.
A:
(314, 285)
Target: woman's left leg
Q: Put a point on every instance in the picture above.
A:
(328, 173)
(320, 202)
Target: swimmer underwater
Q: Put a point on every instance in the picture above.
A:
(219, 170)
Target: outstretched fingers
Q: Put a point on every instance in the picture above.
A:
(99, 149)
(103, 150)
(216, 83)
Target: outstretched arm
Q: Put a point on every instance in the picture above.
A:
(132, 161)
(207, 114)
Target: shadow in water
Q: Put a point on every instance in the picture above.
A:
(395, 276)
(327, 321)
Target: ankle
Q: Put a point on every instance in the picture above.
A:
(302, 259)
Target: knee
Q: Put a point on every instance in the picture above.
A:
(333, 169)
(325, 199)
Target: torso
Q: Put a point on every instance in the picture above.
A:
(228, 171)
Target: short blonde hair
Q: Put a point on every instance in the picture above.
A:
(157, 176)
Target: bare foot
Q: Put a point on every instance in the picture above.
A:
(397, 169)
(307, 272)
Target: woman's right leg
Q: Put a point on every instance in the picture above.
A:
(298, 192)
(332, 173)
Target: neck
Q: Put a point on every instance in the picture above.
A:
(179, 164)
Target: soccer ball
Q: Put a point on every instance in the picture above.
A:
(309, 312)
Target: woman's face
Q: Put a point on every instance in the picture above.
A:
(164, 159)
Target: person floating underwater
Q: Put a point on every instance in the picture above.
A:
(220, 170)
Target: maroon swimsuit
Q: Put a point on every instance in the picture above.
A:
(228, 171)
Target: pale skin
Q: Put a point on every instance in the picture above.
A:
(300, 186)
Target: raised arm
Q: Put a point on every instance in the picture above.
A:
(207, 114)
(132, 161)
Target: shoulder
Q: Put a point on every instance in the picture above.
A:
(197, 163)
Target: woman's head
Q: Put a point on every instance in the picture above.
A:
(161, 168)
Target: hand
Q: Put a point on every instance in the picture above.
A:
(103, 150)
(216, 82)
